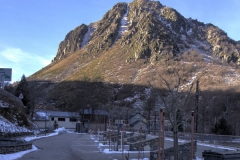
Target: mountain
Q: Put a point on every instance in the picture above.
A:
(119, 60)
(151, 23)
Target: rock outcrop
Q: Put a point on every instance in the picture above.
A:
(72, 42)
(153, 31)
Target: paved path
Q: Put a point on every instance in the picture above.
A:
(55, 147)
(68, 146)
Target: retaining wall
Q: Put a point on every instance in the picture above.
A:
(12, 146)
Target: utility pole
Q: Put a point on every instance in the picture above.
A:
(196, 106)
(45, 120)
(192, 136)
(140, 141)
(155, 127)
(163, 135)
(160, 134)
(175, 135)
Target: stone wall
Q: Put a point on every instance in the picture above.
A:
(152, 145)
(128, 137)
(134, 139)
(184, 152)
(14, 134)
(12, 146)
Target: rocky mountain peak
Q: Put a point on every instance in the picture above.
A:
(149, 31)
(103, 33)
(72, 42)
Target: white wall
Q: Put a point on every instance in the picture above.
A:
(49, 124)
(67, 124)
(136, 118)
(140, 124)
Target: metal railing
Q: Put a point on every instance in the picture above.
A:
(225, 140)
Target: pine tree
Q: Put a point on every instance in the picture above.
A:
(222, 127)
(22, 88)
(55, 125)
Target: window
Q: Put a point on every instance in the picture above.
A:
(72, 119)
(52, 118)
(61, 119)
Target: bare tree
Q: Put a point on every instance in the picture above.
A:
(149, 106)
(174, 94)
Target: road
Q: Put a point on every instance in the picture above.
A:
(55, 147)
(69, 146)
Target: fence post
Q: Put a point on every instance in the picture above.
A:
(139, 143)
(163, 129)
(123, 140)
(191, 157)
(160, 134)
(109, 133)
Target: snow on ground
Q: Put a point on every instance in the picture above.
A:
(8, 127)
(105, 148)
(107, 151)
(3, 104)
(20, 154)
(16, 155)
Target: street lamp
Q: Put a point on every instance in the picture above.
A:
(21, 98)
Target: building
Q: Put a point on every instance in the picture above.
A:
(45, 119)
(90, 119)
(138, 120)
(94, 119)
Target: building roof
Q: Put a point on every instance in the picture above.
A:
(96, 112)
(59, 113)
(62, 114)
(131, 116)
(45, 114)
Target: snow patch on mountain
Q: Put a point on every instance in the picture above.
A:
(87, 36)
(124, 24)
(189, 32)
(164, 22)
(138, 102)
(139, 73)
(232, 77)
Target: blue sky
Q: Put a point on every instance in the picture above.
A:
(31, 30)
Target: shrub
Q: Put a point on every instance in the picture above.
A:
(222, 127)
